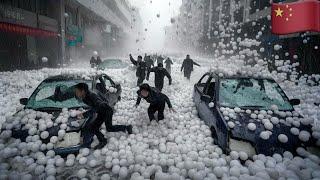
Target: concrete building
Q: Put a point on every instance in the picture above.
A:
(60, 30)
(255, 19)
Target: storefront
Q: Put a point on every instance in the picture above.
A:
(26, 37)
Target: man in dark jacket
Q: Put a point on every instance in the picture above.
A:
(159, 74)
(149, 62)
(141, 69)
(160, 59)
(156, 99)
(168, 65)
(187, 66)
(93, 62)
(104, 114)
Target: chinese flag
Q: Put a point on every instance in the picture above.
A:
(295, 17)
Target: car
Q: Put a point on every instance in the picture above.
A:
(55, 96)
(227, 104)
(112, 64)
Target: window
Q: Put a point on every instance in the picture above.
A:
(258, 5)
(202, 82)
(210, 88)
(252, 93)
(59, 94)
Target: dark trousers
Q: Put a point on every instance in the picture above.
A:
(140, 80)
(105, 114)
(159, 85)
(187, 74)
(153, 108)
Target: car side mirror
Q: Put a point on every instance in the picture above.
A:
(206, 98)
(294, 102)
(24, 101)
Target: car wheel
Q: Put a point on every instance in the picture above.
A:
(214, 135)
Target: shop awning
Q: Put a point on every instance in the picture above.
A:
(24, 30)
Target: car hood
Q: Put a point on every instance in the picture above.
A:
(271, 145)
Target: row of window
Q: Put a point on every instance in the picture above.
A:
(36, 6)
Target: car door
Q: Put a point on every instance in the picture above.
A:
(198, 89)
(105, 87)
(112, 92)
(206, 112)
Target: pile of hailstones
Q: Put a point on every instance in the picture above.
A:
(16, 156)
(268, 119)
(177, 148)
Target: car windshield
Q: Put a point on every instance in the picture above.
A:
(113, 64)
(55, 95)
(252, 93)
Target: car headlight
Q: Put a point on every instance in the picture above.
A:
(237, 145)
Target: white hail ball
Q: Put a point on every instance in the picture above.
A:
(283, 138)
(252, 126)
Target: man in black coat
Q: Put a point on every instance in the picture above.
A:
(159, 74)
(187, 66)
(168, 65)
(104, 114)
(149, 62)
(141, 69)
(160, 59)
(156, 99)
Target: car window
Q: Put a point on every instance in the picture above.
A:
(58, 94)
(202, 82)
(210, 88)
(107, 82)
(246, 92)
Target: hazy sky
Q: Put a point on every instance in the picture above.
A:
(155, 26)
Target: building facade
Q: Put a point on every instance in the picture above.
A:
(219, 23)
(61, 30)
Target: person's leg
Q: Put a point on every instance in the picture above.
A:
(160, 111)
(159, 85)
(108, 112)
(87, 137)
(188, 75)
(151, 110)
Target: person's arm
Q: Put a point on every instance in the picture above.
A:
(171, 62)
(168, 76)
(196, 63)
(167, 100)
(150, 70)
(138, 99)
(134, 62)
(182, 65)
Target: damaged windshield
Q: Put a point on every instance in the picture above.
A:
(257, 93)
(58, 94)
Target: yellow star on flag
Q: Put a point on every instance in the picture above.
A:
(278, 12)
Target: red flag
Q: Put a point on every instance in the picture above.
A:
(295, 17)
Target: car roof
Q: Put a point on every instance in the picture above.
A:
(240, 76)
(66, 77)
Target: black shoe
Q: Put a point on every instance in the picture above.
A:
(101, 145)
(129, 129)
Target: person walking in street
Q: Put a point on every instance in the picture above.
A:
(160, 59)
(149, 62)
(156, 99)
(93, 62)
(168, 63)
(99, 61)
(104, 114)
(187, 66)
(159, 74)
(141, 69)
